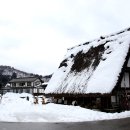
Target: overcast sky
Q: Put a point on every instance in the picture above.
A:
(35, 34)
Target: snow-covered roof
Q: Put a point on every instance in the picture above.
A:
(92, 67)
(45, 83)
(23, 79)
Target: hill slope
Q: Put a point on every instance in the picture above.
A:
(8, 70)
(7, 73)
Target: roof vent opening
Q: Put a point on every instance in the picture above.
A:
(128, 29)
(63, 63)
(101, 37)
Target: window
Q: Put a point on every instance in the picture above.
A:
(31, 91)
(21, 90)
(113, 98)
(125, 81)
(24, 90)
(41, 90)
(35, 90)
(28, 90)
(8, 90)
(28, 83)
(13, 84)
(128, 65)
(59, 100)
(21, 84)
(16, 90)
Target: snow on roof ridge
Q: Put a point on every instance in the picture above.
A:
(101, 37)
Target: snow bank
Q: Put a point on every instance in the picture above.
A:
(16, 109)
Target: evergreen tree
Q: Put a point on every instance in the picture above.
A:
(14, 75)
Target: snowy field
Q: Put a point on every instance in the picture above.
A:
(16, 109)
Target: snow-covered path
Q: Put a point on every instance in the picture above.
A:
(15, 109)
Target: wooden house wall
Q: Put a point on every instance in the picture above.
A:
(24, 86)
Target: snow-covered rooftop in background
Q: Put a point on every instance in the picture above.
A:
(16, 109)
(92, 67)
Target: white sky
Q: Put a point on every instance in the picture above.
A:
(35, 34)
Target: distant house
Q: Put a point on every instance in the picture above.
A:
(32, 85)
(95, 74)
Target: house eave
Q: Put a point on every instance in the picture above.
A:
(78, 94)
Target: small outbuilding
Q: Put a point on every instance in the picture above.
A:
(95, 74)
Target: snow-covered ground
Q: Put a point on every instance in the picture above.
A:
(16, 109)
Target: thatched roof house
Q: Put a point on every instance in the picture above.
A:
(95, 67)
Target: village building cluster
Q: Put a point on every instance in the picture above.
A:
(32, 85)
(94, 75)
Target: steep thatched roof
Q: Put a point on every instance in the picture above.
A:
(92, 67)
